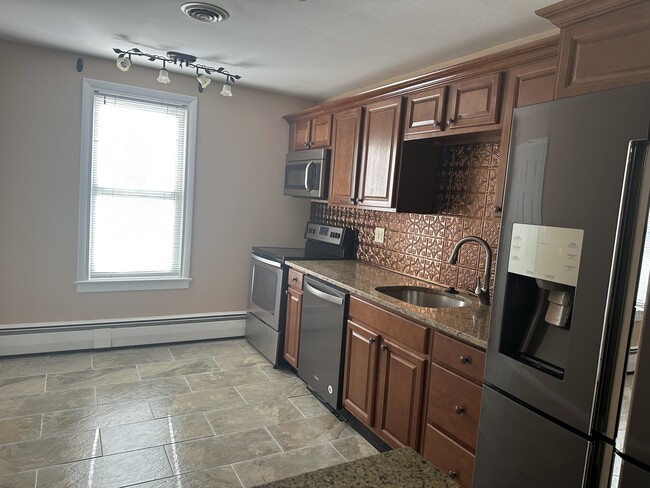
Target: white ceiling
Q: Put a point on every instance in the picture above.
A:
(314, 48)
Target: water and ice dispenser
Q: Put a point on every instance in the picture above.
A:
(543, 268)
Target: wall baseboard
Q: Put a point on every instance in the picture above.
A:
(73, 336)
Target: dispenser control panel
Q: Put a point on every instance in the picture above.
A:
(547, 253)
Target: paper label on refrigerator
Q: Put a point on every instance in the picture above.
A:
(548, 253)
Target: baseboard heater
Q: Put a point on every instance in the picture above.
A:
(73, 336)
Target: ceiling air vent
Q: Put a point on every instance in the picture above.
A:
(204, 12)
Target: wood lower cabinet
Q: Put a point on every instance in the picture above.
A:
(292, 323)
(311, 133)
(453, 407)
(384, 378)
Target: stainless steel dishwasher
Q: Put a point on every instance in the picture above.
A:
(322, 337)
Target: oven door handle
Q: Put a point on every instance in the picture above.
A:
(275, 264)
(322, 294)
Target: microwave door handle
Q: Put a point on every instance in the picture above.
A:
(307, 176)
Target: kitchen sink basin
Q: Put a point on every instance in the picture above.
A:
(422, 297)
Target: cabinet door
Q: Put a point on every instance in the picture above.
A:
(424, 113)
(321, 130)
(299, 135)
(380, 149)
(345, 156)
(450, 458)
(360, 375)
(474, 102)
(527, 85)
(399, 395)
(292, 329)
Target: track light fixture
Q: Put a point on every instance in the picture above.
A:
(182, 60)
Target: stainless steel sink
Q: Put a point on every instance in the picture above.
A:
(422, 297)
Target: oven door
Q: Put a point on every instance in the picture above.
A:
(266, 289)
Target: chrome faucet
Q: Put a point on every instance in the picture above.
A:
(482, 292)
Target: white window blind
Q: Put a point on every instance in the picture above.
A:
(137, 190)
(644, 275)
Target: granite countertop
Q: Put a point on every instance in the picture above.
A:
(469, 323)
(394, 469)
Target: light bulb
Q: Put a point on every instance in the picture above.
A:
(124, 64)
(226, 90)
(163, 76)
(203, 80)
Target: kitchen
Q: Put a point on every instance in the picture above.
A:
(41, 198)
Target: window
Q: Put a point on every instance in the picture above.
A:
(136, 190)
(644, 274)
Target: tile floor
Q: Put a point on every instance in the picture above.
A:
(209, 414)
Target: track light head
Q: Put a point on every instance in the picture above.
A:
(163, 76)
(203, 80)
(124, 64)
(226, 91)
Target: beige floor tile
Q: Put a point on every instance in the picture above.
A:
(90, 418)
(177, 368)
(221, 450)
(223, 379)
(195, 350)
(272, 390)
(140, 390)
(131, 357)
(276, 373)
(23, 456)
(250, 417)
(244, 344)
(19, 429)
(308, 432)
(152, 433)
(42, 364)
(241, 361)
(309, 406)
(93, 377)
(195, 402)
(224, 477)
(47, 402)
(24, 385)
(26, 479)
(286, 464)
(108, 471)
(354, 447)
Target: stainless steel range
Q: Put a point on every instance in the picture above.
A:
(266, 303)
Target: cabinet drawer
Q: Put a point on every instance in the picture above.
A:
(454, 405)
(448, 457)
(295, 279)
(403, 330)
(460, 357)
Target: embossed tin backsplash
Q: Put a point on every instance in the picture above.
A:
(420, 245)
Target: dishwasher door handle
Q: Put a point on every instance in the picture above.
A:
(321, 294)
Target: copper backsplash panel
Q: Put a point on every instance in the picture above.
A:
(420, 245)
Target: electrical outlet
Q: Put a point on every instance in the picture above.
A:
(379, 235)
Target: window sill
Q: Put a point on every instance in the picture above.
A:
(132, 284)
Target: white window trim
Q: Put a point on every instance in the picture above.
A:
(84, 284)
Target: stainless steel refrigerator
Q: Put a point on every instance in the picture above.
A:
(560, 408)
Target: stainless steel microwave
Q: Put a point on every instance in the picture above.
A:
(306, 172)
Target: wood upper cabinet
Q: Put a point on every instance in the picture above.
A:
(292, 324)
(311, 133)
(380, 147)
(384, 377)
(345, 156)
(526, 85)
(468, 105)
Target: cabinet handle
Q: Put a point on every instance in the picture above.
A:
(452, 474)
(294, 278)
(458, 409)
(354, 200)
(464, 360)
(383, 347)
(372, 340)
(286, 292)
(451, 121)
(496, 209)
(436, 123)
(307, 144)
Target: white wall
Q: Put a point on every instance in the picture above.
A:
(241, 145)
